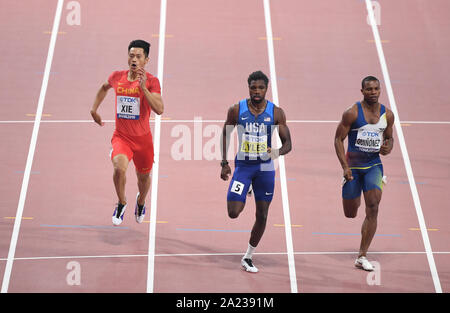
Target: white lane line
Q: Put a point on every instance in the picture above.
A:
(401, 139)
(212, 255)
(32, 148)
(209, 121)
(282, 168)
(156, 144)
(425, 122)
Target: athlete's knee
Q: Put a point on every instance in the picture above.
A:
(261, 216)
(234, 210)
(262, 210)
(350, 211)
(261, 219)
(143, 177)
(372, 210)
(351, 207)
(119, 171)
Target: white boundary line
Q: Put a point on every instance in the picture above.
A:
(213, 254)
(412, 183)
(282, 168)
(155, 170)
(32, 148)
(208, 121)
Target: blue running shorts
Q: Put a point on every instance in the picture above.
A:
(364, 179)
(261, 176)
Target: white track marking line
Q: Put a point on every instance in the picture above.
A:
(282, 168)
(425, 122)
(32, 148)
(156, 144)
(412, 183)
(209, 121)
(212, 255)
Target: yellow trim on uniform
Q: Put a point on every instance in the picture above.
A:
(364, 168)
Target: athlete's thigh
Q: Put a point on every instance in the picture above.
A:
(373, 185)
(373, 178)
(240, 182)
(352, 189)
(372, 198)
(351, 193)
(120, 147)
(143, 154)
(264, 184)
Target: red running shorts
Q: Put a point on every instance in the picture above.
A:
(136, 148)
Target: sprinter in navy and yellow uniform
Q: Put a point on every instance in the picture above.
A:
(256, 119)
(368, 125)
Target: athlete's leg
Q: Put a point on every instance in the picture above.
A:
(143, 186)
(372, 199)
(351, 207)
(143, 160)
(121, 154)
(262, 209)
(263, 186)
(372, 196)
(120, 164)
(237, 190)
(351, 195)
(235, 208)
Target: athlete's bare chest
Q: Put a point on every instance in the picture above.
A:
(372, 115)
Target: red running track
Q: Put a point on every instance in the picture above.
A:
(322, 51)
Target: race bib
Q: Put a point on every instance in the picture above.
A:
(254, 145)
(369, 141)
(128, 107)
(237, 187)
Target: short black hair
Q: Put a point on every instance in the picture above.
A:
(258, 75)
(368, 79)
(140, 44)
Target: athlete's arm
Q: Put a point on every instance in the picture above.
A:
(101, 94)
(342, 131)
(283, 132)
(388, 140)
(153, 98)
(228, 127)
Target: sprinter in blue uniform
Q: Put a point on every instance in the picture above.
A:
(368, 126)
(255, 118)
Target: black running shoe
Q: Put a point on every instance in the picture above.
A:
(117, 217)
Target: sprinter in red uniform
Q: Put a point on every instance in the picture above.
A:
(137, 93)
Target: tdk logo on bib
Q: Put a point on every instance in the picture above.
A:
(128, 107)
(370, 134)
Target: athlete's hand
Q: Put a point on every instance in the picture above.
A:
(386, 147)
(225, 172)
(142, 77)
(97, 118)
(273, 153)
(348, 174)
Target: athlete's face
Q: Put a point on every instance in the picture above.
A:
(257, 89)
(136, 58)
(371, 91)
